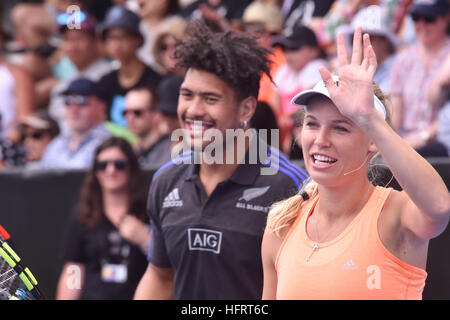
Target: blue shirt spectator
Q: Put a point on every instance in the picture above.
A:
(85, 115)
(60, 155)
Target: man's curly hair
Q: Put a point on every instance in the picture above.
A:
(232, 56)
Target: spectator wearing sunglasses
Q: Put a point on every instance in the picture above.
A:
(85, 116)
(107, 238)
(153, 147)
(39, 129)
(413, 116)
(156, 17)
(164, 46)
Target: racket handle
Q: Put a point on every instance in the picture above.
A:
(3, 233)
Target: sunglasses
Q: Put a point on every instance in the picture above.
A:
(119, 165)
(417, 17)
(76, 100)
(37, 135)
(136, 112)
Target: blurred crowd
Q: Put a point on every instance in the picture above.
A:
(70, 79)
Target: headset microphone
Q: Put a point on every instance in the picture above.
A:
(367, 157)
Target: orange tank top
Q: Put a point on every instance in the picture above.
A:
(355, 265)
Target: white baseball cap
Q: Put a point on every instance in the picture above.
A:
(302, 98)
(374, 21)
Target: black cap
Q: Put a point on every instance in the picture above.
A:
(168, 91)
(295, 38)
(82, 87)
(120, 17)
(430, 8)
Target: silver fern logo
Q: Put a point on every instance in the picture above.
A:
(253, 193)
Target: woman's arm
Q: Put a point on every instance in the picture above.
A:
(269, 250)
(135, 231)
(426, 209)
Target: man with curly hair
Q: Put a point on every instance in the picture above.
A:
(208, 217)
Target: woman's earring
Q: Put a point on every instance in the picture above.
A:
(244, 124)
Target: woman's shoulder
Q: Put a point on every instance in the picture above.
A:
(294, 214)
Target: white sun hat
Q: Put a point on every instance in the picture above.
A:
(302, 98)
(373, 20)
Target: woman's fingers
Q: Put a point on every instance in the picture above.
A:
(357, 47)
(341, 50)
(370, 56)
(327, 79)
(366, 45)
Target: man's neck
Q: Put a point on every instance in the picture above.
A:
(130, 66)
(130, 72)
(76, 139)
(214, 173)
(93, 58)
(149, 140)
(78, 136)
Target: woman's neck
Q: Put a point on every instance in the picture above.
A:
(337, 203)
(115, 205)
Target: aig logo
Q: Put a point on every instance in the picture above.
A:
(204, 240)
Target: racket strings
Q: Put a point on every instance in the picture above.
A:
(10, 282)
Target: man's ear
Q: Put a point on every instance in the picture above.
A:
(247, 109)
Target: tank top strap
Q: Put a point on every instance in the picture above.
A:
(375, 205)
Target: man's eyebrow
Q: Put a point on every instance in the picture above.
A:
(211, 94)
(203, 94)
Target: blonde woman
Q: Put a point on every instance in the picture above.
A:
(341, 237)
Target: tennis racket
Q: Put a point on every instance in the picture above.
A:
(16, 280)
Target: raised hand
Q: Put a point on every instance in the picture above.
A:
(134, 230)
(353, 95)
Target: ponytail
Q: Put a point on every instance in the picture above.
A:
(283, 213)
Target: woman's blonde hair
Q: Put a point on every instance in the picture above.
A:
(283, 213)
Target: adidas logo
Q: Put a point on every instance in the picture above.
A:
(172, 200)
(349, 265)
